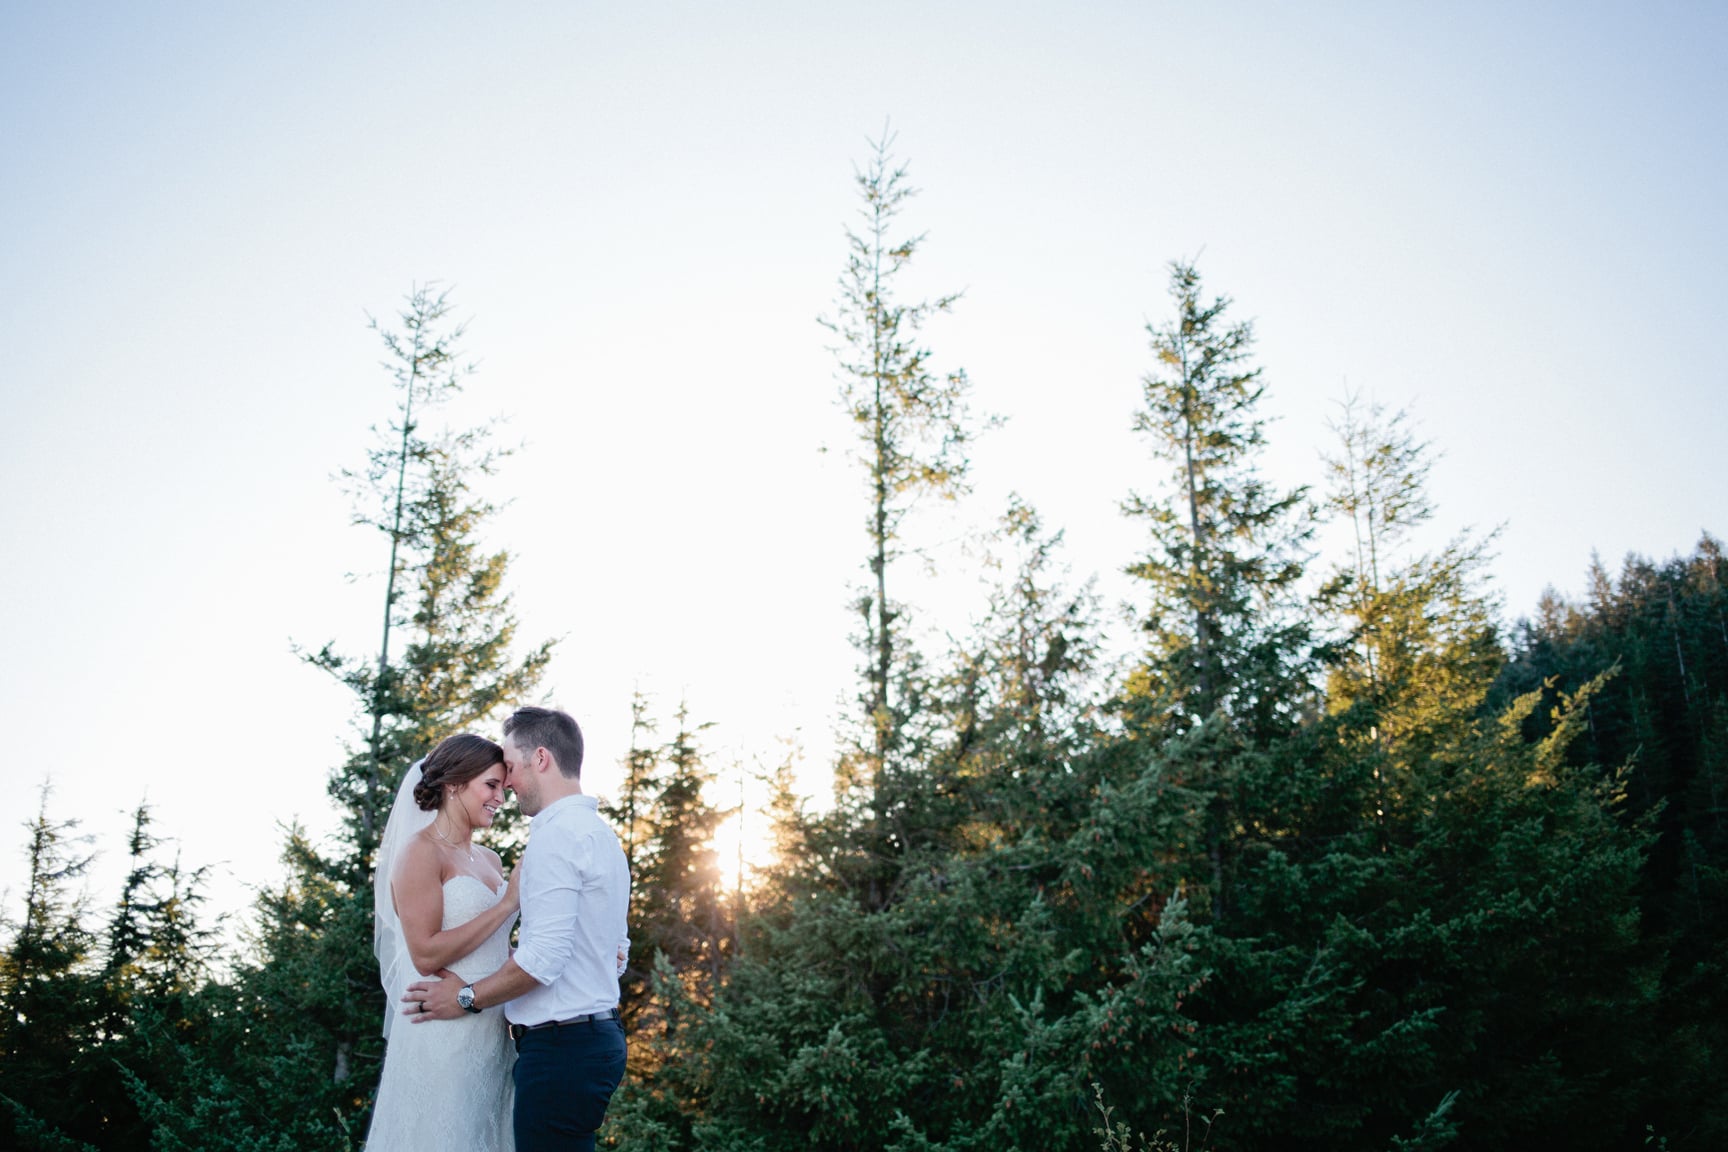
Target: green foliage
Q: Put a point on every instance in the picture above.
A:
(298, 1022)
(1665, 714)
(81, 1009)
(681, 925)
(50, 1000)
(954, 986)
(158, 946)
(259, 1070)
(28, 1132)
(1431, 935)
(1485, 945)
(1342, 870)
(456, 670)
(1118, 1137)
(1436, 1131)
(1228, 664)
(912, 428)
(1424, 901)
(1227, 548)
(961, 1017)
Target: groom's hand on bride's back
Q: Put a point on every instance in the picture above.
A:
(433, 999)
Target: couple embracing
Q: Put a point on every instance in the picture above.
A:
(489, 1050)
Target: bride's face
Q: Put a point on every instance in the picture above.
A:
(482, 796)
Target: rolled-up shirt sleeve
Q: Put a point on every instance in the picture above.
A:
(575, 914)
(552, 880)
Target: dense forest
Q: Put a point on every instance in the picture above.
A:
(1339, 859)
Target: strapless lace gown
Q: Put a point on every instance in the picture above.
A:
(446, 1083)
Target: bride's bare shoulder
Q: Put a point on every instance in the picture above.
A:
(418, 861)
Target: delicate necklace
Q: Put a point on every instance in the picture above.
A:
(469, 846)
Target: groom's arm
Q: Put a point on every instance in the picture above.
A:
(551, 894)
(551, 886)
(552, 872)
(509, 982)
(436, 999)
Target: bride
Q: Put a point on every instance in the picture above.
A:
(442, 903)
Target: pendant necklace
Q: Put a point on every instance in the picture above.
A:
(469, 846)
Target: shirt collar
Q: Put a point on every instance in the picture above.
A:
(568, 804)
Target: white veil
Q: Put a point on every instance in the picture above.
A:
(395, 969)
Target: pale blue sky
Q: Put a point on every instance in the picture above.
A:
(1508, 216)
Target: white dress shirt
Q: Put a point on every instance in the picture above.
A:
(575, 899)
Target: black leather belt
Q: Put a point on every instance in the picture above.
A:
(517, 1031)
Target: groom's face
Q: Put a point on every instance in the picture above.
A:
(521, 779)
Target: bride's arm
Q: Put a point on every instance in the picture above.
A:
(420, 905)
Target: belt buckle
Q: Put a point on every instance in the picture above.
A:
(517, 1031)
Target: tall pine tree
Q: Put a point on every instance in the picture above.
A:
(50, 1008)
(912, 428)
(1228, 657)
(446, 663)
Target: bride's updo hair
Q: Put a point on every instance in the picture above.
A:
(456, 760)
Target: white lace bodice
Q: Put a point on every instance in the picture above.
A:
(466, 897)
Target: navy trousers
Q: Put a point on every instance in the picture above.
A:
(565, 1076)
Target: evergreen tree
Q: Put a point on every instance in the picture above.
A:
(158, 945)
(1021, 700)
(456, 668)
(1660, 627)
(426, 369)
(128, 934)
(631, 814)
(1486, 947)
(685, 914)
(1030, 946)
(302, 1017)
(1421, 634)
(1227, 548)
(912, 428)
(1378, 472)
(50, 1009)
(159, 954)
(1226, 673)
(255, 1071)
(1417, 885)
(82, 1009)
(681, 929)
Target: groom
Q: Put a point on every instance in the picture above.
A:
(560, 989)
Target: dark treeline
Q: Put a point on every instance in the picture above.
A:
(1337, 861)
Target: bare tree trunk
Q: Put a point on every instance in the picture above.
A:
(377, 770)
(879, 559)
(1202, 622)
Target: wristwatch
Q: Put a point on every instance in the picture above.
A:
(465, 998)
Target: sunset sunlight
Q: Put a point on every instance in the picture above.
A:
(743, 849)
(776, 577)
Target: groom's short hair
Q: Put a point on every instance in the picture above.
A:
(530, 728)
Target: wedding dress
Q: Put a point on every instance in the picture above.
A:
(446, 1083)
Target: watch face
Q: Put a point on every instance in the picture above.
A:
(465, 998)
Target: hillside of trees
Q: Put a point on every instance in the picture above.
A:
(1341, 859)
